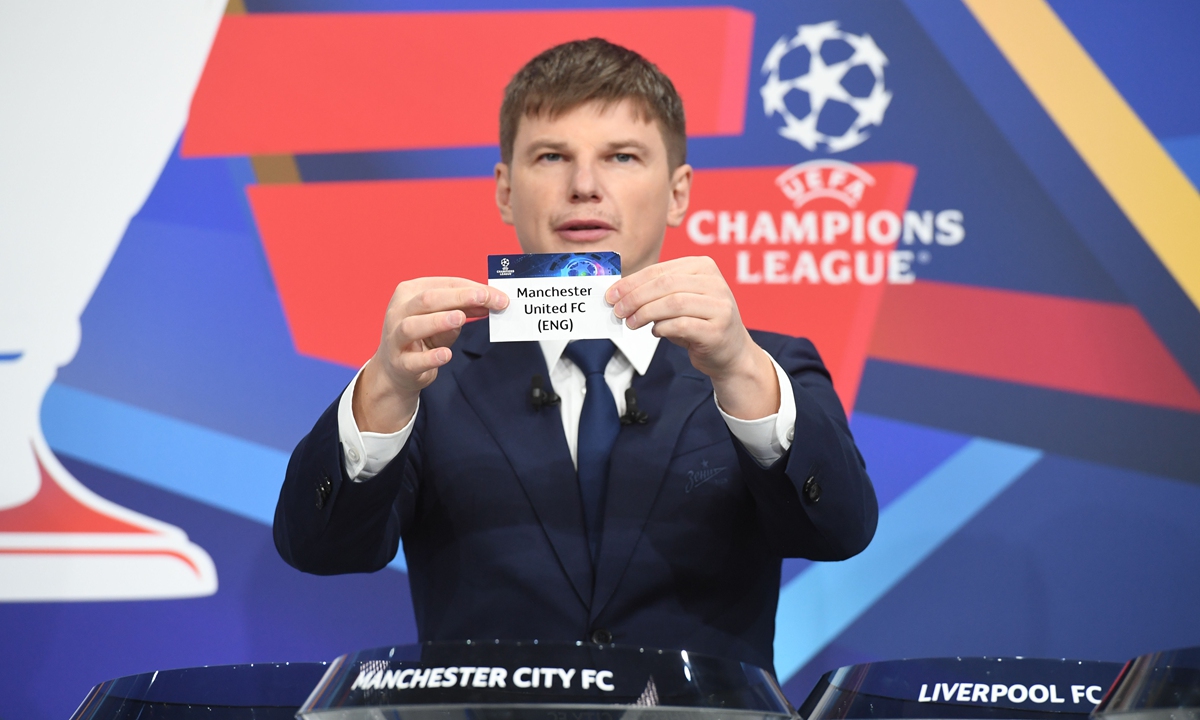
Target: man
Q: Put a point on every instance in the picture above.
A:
(525, 521)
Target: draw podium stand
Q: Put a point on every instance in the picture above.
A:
(962, 688)
(513, 681)
(262, 691)
(456, 681)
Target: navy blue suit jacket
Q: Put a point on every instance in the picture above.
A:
(486, 499)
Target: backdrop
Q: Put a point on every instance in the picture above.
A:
(984, 212)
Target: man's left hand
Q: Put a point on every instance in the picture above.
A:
(691, 305)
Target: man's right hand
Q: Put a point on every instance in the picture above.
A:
(423, 319)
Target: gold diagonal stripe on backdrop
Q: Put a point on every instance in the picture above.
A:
(1133, 167)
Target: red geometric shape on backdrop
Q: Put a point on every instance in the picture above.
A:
(337, 251)
(331, 82)
(1081, 346)
(838, 319)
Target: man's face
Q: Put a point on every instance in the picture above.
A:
(594, 178)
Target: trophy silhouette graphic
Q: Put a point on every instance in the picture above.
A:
(95, 96)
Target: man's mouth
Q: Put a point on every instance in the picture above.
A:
(583, 230)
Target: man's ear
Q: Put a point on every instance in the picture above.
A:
(681, 193)
(504, 192)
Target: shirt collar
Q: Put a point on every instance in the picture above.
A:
(637, 346)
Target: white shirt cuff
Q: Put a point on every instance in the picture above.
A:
(365, 454)
(768, 438)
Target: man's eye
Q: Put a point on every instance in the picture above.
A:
(623, 157)
(551, 157)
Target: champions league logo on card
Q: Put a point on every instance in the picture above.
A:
(564, 265)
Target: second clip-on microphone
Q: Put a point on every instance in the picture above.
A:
(633, 415)
(541, 397)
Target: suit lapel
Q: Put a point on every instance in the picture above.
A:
(670, 391)
(495, 384)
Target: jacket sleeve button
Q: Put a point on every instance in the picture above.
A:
(324, 488)
(812, 490)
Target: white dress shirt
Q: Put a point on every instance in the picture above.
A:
(766, 439)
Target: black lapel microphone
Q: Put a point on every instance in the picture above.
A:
(633, 415)
(539, 397)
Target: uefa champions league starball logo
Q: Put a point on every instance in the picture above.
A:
(832, 101)
(581, 267)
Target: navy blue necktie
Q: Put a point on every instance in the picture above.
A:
(598, 428)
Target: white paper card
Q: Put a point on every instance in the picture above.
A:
(555, 296)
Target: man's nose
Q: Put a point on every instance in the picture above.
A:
(585, 185)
